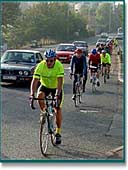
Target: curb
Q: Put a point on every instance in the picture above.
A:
(120, 79)
(117, 152)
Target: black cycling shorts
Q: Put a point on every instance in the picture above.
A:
(106, 64)
(94, 70)
(47, 91)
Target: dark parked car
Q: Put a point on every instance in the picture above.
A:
(64, 52)
(18, 65)
(82, 45)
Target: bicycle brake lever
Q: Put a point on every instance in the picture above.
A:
(32, 104)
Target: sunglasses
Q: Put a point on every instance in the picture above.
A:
(49, 61)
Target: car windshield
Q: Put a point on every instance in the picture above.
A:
(26, 57)
(66, 48)
(79, 44)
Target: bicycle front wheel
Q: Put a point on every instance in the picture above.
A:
(44, 135)
(105, 78)
(53, 139)
(76, 96)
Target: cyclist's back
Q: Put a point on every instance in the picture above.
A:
(94, 59)
(79, 64)
(105, 58)
(106, 62)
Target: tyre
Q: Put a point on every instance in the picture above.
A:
(93, 85)
(44, 135)
(76, 96)
(80, 93)
(53, 138)
(105, 77)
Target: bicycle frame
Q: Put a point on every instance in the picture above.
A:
(104, 70)
(78, 90)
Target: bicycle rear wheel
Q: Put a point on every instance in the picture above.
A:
(105, 75)
(93, 86)
(44, 135)
(76, 96)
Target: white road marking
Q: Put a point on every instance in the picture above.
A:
(88, 111)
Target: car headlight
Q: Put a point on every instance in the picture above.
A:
(21, 73)
(70, 56)
(26, 73)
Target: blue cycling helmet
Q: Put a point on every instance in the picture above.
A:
(50, 54)
(94, 51)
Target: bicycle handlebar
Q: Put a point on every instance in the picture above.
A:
(46, 98)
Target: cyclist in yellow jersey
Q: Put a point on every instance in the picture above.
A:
(106, 62)
(50, 73)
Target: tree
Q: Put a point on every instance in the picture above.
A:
(109, 17)
(10, 12)
(103, 16)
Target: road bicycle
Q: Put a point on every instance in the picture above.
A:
(105, 74)
(94, 78)
(47, 123)
(78, 90)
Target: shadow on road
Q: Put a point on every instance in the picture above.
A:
(77, 153)
(25, 87)
(67, 88)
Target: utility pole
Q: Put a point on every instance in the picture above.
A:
(110, 20)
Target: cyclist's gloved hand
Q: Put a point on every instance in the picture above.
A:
(83, 77)
(57, 100)
(31, 101)
(31, 97)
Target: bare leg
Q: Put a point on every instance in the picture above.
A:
(41, 103)
(58, 117)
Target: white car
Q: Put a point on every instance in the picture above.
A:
(104, 35)
(101, 41)
(119, 36)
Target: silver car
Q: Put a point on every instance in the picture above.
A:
(18, 65)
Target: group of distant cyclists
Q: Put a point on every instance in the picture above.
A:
(50, 74)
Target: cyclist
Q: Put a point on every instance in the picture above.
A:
(94, 60)
(100, 47)
(115, 42)
(50, 73)
(107, 48)
(78, 66)
(106, 62)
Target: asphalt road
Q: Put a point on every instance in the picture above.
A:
(88, 131)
